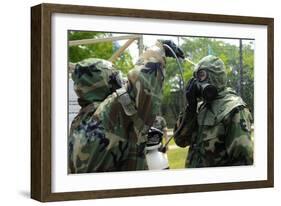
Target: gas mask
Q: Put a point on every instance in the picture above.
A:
(209, 78)
(203, 87)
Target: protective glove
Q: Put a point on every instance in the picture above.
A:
(178, 51)
(191, 95)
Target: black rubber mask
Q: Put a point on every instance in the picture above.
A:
(204, 89)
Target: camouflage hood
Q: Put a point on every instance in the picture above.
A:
(216, 70)
(94, 79)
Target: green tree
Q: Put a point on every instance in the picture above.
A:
(103, 50)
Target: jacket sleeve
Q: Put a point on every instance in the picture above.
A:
(185, 128)
(238, 140)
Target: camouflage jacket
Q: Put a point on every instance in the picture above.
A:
(219, 134)
(106, 141)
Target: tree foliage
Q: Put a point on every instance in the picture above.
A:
(102, 50)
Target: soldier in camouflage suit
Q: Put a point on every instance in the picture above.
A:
(112, 136)
(94, 79)
(218, 129)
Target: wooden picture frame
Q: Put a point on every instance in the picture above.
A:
(41, 116)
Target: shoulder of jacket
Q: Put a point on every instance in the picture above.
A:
(227, 104)
(219, 109)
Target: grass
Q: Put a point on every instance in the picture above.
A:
(176, 156)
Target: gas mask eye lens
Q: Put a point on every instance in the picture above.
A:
(202, 75)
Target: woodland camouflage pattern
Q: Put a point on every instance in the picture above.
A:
(219, 134)
(112, 136)
(216, 70)
(94, 79)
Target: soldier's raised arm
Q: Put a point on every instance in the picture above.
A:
(184, 128)
(187, 121)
